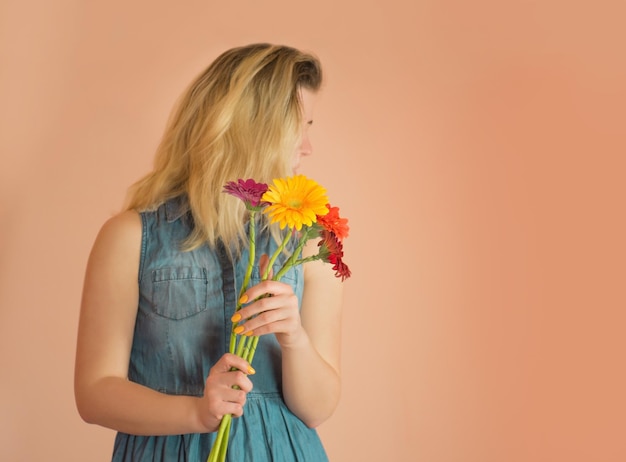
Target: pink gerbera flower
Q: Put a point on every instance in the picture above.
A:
(249, 191)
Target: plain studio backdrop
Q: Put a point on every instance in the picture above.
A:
(477, 149)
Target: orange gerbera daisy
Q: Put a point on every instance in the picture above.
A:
(295, 201)
(334, 223)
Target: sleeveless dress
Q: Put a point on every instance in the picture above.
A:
(183, 327)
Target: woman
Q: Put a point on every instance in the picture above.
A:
(161, 281)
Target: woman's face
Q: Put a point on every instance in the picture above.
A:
(307, 99)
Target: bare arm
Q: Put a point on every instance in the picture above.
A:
(311, 366)
(103, 394)
(310, 338)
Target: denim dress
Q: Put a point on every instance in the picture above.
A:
(186, 300)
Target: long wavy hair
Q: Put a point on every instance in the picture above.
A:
(240, 118)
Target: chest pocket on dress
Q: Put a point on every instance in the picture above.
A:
(178, 293)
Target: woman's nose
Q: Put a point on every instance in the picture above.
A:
(306, 148)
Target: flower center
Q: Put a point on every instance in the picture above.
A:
(294, 203)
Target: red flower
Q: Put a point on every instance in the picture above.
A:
(331, 251)
(341, 269)
(334, 223)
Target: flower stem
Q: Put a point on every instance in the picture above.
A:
(306, 260)
(252, 350)
(252, 239)
(218, 451)
(291, 261)
(280, 248)
(240, 348)
(247, 341)
(246, 280)
(224, 446)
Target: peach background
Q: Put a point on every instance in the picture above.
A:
(477, 148)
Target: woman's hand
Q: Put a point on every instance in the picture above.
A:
(277, 312)
(220, 398)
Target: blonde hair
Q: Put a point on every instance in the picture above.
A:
(240, 118)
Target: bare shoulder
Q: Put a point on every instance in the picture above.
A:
(111, 277)
(123, 226)
(318, 272)
(117, 245)
(120, 232)
(321, 288)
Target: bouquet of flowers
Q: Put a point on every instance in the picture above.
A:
(300, 205)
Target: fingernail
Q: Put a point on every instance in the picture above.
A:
(249, 333)
(238, 329)
(251, 370)
(243, 298)
(236, 317)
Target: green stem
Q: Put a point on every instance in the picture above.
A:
(247, 341)
(291, 261)
(240, 348)
(233, 341)
(255, 342)
(226, 436)
(246, 280)
(218, 451)
(305, 260)
(280, 248)
(252, 239)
